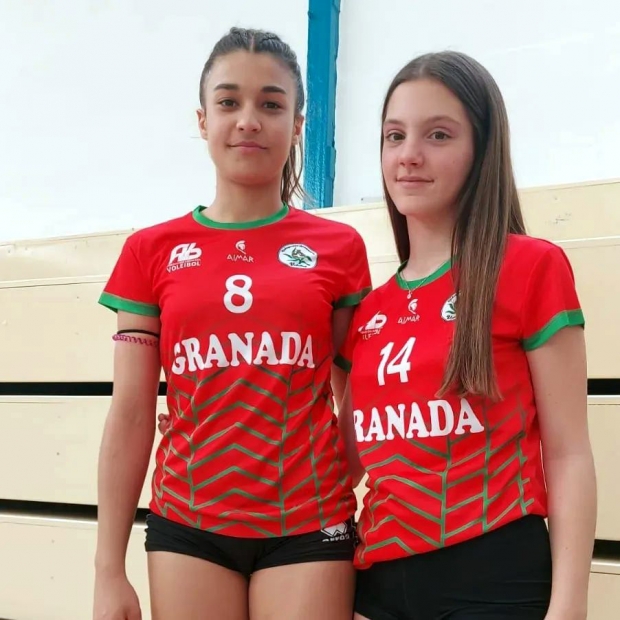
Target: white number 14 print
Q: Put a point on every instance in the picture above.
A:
(398, 365)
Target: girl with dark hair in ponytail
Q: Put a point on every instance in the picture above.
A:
(463, 366)
(243, 305)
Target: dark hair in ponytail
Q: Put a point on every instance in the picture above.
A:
(261, 42)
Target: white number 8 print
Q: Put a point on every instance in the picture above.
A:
(235, 291)
(399, 364)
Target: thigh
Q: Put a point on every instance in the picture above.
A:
(304, 591)
(183, 587)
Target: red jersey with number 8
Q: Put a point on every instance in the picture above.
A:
(246, 347)
(444, 469)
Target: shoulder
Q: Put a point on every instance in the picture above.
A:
(525, 254)
(151, 237)
(374, 302)
(332, 229)
(529, 250)
(532, 267)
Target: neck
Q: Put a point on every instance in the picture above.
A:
(430, 243)
(240, 203)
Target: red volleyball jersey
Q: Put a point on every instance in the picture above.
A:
(246, 347)
(442, 470)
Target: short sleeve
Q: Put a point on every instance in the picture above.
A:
(551, 301)
(355, 283)
(128, 288)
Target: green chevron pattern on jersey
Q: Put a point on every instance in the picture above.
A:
(483, 498)
(445, 468)
(264, 500)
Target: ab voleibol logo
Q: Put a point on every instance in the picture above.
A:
(298, 255)
(374, 326)
(183, 256)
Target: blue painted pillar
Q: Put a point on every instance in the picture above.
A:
(320, 153)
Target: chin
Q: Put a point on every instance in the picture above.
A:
(416, 207)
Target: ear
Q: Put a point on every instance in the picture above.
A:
(202, 123)
(297, 129)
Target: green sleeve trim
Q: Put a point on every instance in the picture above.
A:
(343, 363)
(352, 300)
(125, 305)
(567, 318)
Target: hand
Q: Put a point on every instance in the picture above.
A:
(115, 599)
(163, 423)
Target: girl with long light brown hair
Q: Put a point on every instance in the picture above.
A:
(466, 404)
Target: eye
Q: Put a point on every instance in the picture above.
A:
(440, 136)
(227, 103)
(394, 136)
(272, 105)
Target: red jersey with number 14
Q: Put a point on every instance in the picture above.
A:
(246, 346)
(442, 470)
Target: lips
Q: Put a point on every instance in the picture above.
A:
(247, 144)
(413, 179)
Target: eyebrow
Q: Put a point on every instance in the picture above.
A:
(266, 89)
(432, 119)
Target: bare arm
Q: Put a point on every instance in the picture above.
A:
(559, 375)
(346, 425)
(127, 442)
(340, 326)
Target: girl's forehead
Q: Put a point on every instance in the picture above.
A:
(422, 99)
(250, 70)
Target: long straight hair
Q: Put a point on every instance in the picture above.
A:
(261, 42)
(488, 210)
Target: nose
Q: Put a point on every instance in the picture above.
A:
(411, 153)
(248, 121)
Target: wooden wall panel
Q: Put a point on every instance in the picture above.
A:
(595, 264)
(47, 568)
(55, 332)
(563, 212)
(63, 257)
(51, 447)
(604, 595)
(58, 332)
(577, 211)
(50, 574)
(604, 421)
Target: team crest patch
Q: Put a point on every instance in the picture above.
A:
(298, 255)
(448, 312)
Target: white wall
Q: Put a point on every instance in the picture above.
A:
(97, 108)
(557, 63)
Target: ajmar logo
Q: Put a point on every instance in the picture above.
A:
(297, 255)
(448, 312)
